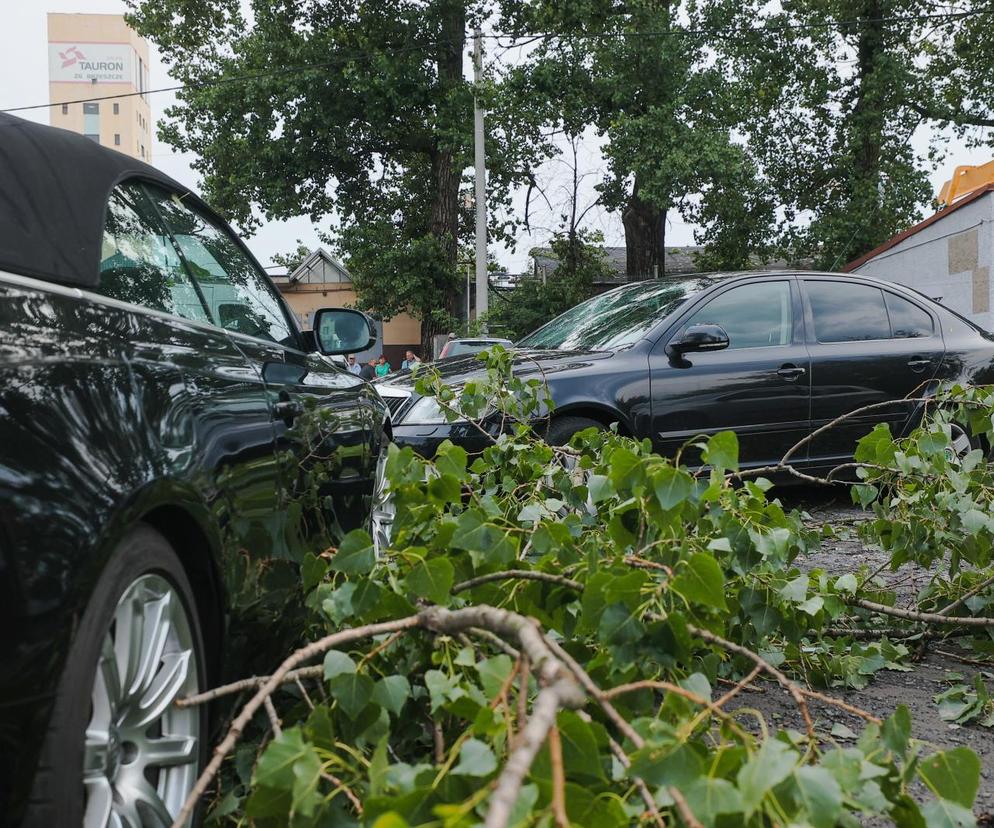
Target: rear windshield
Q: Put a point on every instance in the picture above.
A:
(616, 319)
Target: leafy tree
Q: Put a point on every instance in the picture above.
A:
(357, 110)
(534, 301)
(842, 87)
(292, 260)
(666, 110)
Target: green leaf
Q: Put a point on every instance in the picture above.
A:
(672, 486)
(352, 691)
(493, 673)
(765, 770)
(275, 767)
(336, 663)
(306, 775)
(722, 451)
(391, 692)
(797, 590)
(847, 583)
(432, 579)
(355, 556)
(820, 794)
(896, 731)
(952, 774)
(312, 571)
(580, 752)
(475, 759)
(941, 813)
(701, 581)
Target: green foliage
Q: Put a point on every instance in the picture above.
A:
(630, 555)
(534, 302)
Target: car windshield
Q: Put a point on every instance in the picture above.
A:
(615, 319)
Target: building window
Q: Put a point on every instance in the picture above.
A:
(92, 136)
(117, 140)
(91, 119)
(117, 109)
(65, 109)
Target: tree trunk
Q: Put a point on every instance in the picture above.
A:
(868, 125)
(445, 171)
(645, 238)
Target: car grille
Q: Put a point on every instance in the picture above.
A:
(396, 404)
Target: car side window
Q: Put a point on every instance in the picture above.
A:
(907, 320)
(754, 315)
(238, 296)
(138, 262)
(847, 312)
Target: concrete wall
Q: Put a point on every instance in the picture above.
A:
(950, 259)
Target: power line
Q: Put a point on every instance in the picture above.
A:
(678, 32)
(736, 30)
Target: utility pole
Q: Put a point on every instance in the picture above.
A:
(482, 282)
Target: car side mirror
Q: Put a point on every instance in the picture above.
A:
(699, 339)
(343, 331)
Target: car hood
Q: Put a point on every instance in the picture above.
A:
(527, 361)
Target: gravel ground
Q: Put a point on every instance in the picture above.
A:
(888, 688)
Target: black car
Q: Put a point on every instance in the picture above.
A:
(162, 421)
(772, 356)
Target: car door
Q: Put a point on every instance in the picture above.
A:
(758, 386)
(868, 345)
(319, 421)
(202, 402)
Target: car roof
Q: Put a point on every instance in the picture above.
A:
(56, 184)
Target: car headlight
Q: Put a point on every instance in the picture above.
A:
(427, 411)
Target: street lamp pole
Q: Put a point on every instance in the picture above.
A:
(482, 282)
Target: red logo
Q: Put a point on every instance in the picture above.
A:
(71, 55)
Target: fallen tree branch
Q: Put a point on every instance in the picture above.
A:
(517, 574)
(248, 684)
(924, 617)
(559, 814)
(759, 661)
(849, 708)
(966, 596)
(275, 680)
(683, 808)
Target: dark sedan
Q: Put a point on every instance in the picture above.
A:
(772, 356)
(162, 419)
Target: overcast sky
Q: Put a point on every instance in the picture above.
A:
(24, 69)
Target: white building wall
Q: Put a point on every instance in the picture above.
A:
(949, 260)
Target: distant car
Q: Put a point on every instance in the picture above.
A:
(154, 496)
(772, 356)
(462, 347)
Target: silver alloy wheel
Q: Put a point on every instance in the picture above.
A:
(382, 508)
(140, 760)
(960, 444)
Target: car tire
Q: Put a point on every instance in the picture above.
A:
(97, 758)
(561, 430)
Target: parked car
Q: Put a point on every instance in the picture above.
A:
(160, 413)
(462, 347)
(772, 356)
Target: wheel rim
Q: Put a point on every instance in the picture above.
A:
(383, 507)
(960, 444)
(141, 753)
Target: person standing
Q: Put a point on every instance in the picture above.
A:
(382, 366)
(354, 367)
(368, 370)
(411, 361)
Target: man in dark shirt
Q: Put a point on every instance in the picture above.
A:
(368, 370)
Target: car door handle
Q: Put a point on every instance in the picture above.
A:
(918, 364)
(791, 372)
(286, 409)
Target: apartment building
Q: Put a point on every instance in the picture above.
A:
(92, 57)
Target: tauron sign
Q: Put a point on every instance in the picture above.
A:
(90, 63)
